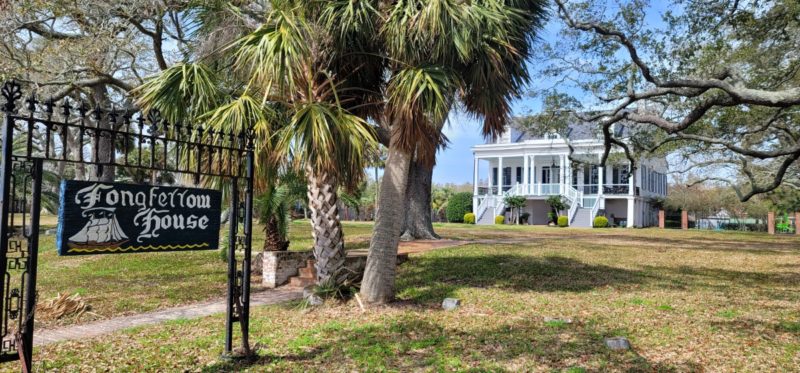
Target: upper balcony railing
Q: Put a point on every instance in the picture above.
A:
(616, 188)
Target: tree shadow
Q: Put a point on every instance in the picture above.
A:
(437, 277)
(769, 246)
(415, 344)
(781, 285)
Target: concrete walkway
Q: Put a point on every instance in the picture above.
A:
(98, 328)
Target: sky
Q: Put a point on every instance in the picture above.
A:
(455, 164)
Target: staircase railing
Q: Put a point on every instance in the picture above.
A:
(482, 207)
(595, 208)
(575, 204)
(500, 206)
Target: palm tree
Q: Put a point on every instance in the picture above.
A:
(295, 87)
(443, 53)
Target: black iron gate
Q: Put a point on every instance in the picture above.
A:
(37, 135)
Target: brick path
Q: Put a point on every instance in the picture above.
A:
(272, 296)
(98, 328)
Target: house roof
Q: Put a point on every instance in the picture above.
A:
(575, 130)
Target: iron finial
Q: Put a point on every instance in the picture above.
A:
(12, 92)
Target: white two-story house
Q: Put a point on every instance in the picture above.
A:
(538, 167)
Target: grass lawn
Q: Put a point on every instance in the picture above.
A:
(687, 301)
(131, 283)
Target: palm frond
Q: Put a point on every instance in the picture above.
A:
(181, 92)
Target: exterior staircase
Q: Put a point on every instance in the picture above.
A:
(306, 275)
(583, 218)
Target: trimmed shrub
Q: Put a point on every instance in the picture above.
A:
(457, 206)
(600, 222)
(469, 218)
(563, 221)
(499, 219)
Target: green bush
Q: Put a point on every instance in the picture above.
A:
(469, 218)
(499, 219)
(600, 222)
(563, 221)
(457, 206)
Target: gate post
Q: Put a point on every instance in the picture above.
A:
(684, 219)
(31, 266)
(797, 223)
(5, 191)
(771, 222)
(248, 239)
(230, 312)
(661, 219)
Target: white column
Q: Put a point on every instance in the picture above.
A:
(561, 174)
(631, 212)
(525, 174)
(475, 177)
(631, 184)
(499, 176)
(600, 177)
(475, 186)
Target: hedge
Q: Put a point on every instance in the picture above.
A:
(600, 222)
(469, 218)
(499, 219)
(563, 221)
(457, 206)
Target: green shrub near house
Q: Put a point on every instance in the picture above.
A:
(600, 222)
(499, 219)
(563, 221)
(469, 218)
(457, 206)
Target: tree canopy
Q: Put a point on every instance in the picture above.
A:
(715, 82)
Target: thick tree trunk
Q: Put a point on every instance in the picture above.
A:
(326, 228)
(379, 276)
(418, 224)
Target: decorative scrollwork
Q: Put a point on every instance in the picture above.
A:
(12, 92)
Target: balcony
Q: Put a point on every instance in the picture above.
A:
(616, 189)
(537, 189)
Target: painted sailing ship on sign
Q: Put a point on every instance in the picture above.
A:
(102, 230)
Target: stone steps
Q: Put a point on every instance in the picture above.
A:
(306, 275)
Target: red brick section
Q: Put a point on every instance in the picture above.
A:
(661, 219)
(797, 223)
(771, 222)
(684, 219)
(98, 328)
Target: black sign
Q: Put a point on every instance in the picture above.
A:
(109, 218)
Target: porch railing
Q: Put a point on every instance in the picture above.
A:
(616, 188)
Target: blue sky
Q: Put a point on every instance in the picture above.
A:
(454, 164)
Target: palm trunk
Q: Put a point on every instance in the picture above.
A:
(379, 275)
(273, 240)
(418, 224)
(326, 227)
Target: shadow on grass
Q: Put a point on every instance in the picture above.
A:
(415, 343)
(436, 277)
(767, 246)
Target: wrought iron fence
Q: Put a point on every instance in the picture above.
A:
(36, 132)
